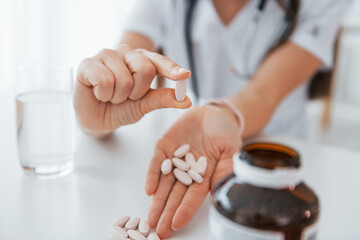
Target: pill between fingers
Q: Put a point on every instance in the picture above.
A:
(180, 90)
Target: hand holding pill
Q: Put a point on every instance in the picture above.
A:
(188, 160)
(113, 87)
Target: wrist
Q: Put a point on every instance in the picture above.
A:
(231, 109)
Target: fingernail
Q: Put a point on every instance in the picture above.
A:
(183, 70)
(173, 226)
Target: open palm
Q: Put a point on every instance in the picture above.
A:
(212, 132)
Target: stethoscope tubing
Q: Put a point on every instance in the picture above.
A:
(250, 34)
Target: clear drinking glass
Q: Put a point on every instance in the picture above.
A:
(45, 120)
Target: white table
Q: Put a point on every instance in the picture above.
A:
(109, 182)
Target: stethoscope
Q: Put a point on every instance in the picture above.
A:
(249, 39)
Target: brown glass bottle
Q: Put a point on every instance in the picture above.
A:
(266, 199)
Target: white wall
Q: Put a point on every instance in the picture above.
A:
(348, 75)
(57, 31)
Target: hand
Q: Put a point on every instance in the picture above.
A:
(113, 87)
(212, 132)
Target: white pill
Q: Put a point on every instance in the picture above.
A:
(197, 167)
(117, 231)
(183, 177)
(203, 161)
(144, 228)
(153, 236)
(189, 157)
(182, 150)
(133, 234)
(180, 90)
(195, 176)
(132, 223)
(166, 166)
(121, 221)
(181, 164)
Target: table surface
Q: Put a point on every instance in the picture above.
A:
(109, 182)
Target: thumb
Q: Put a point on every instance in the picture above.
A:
(162, 98)
(223, 168)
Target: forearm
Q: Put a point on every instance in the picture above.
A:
(256, 108)
(283, 71)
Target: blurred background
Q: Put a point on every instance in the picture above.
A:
(65, 32)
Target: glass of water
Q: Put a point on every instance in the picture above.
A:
(45, 120)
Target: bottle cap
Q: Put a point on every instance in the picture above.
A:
(268, 165)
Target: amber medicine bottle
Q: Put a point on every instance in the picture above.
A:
(265, 198)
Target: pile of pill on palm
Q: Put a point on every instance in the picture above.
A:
(127, 227)
(187, 169)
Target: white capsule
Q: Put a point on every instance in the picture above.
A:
(144, 228)
(195, 176)
(197, 167)
(132, 223)
(180, 90)
(117, 231)
(203, 161)
(189, 157)
(121, 221)
(182, 150)
(166, 166)
(135, 235)
(153, 236)
(181, 164)
(183, 177)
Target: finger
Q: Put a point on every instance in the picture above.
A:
(159, 199)
(177, 193)
(132, 111)
(223, 168)
(191, 203)
(165, 66)
(143, 72)
(123, 78)
(94, 73)
(162, 98)
(154, 172)
(192, 200)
